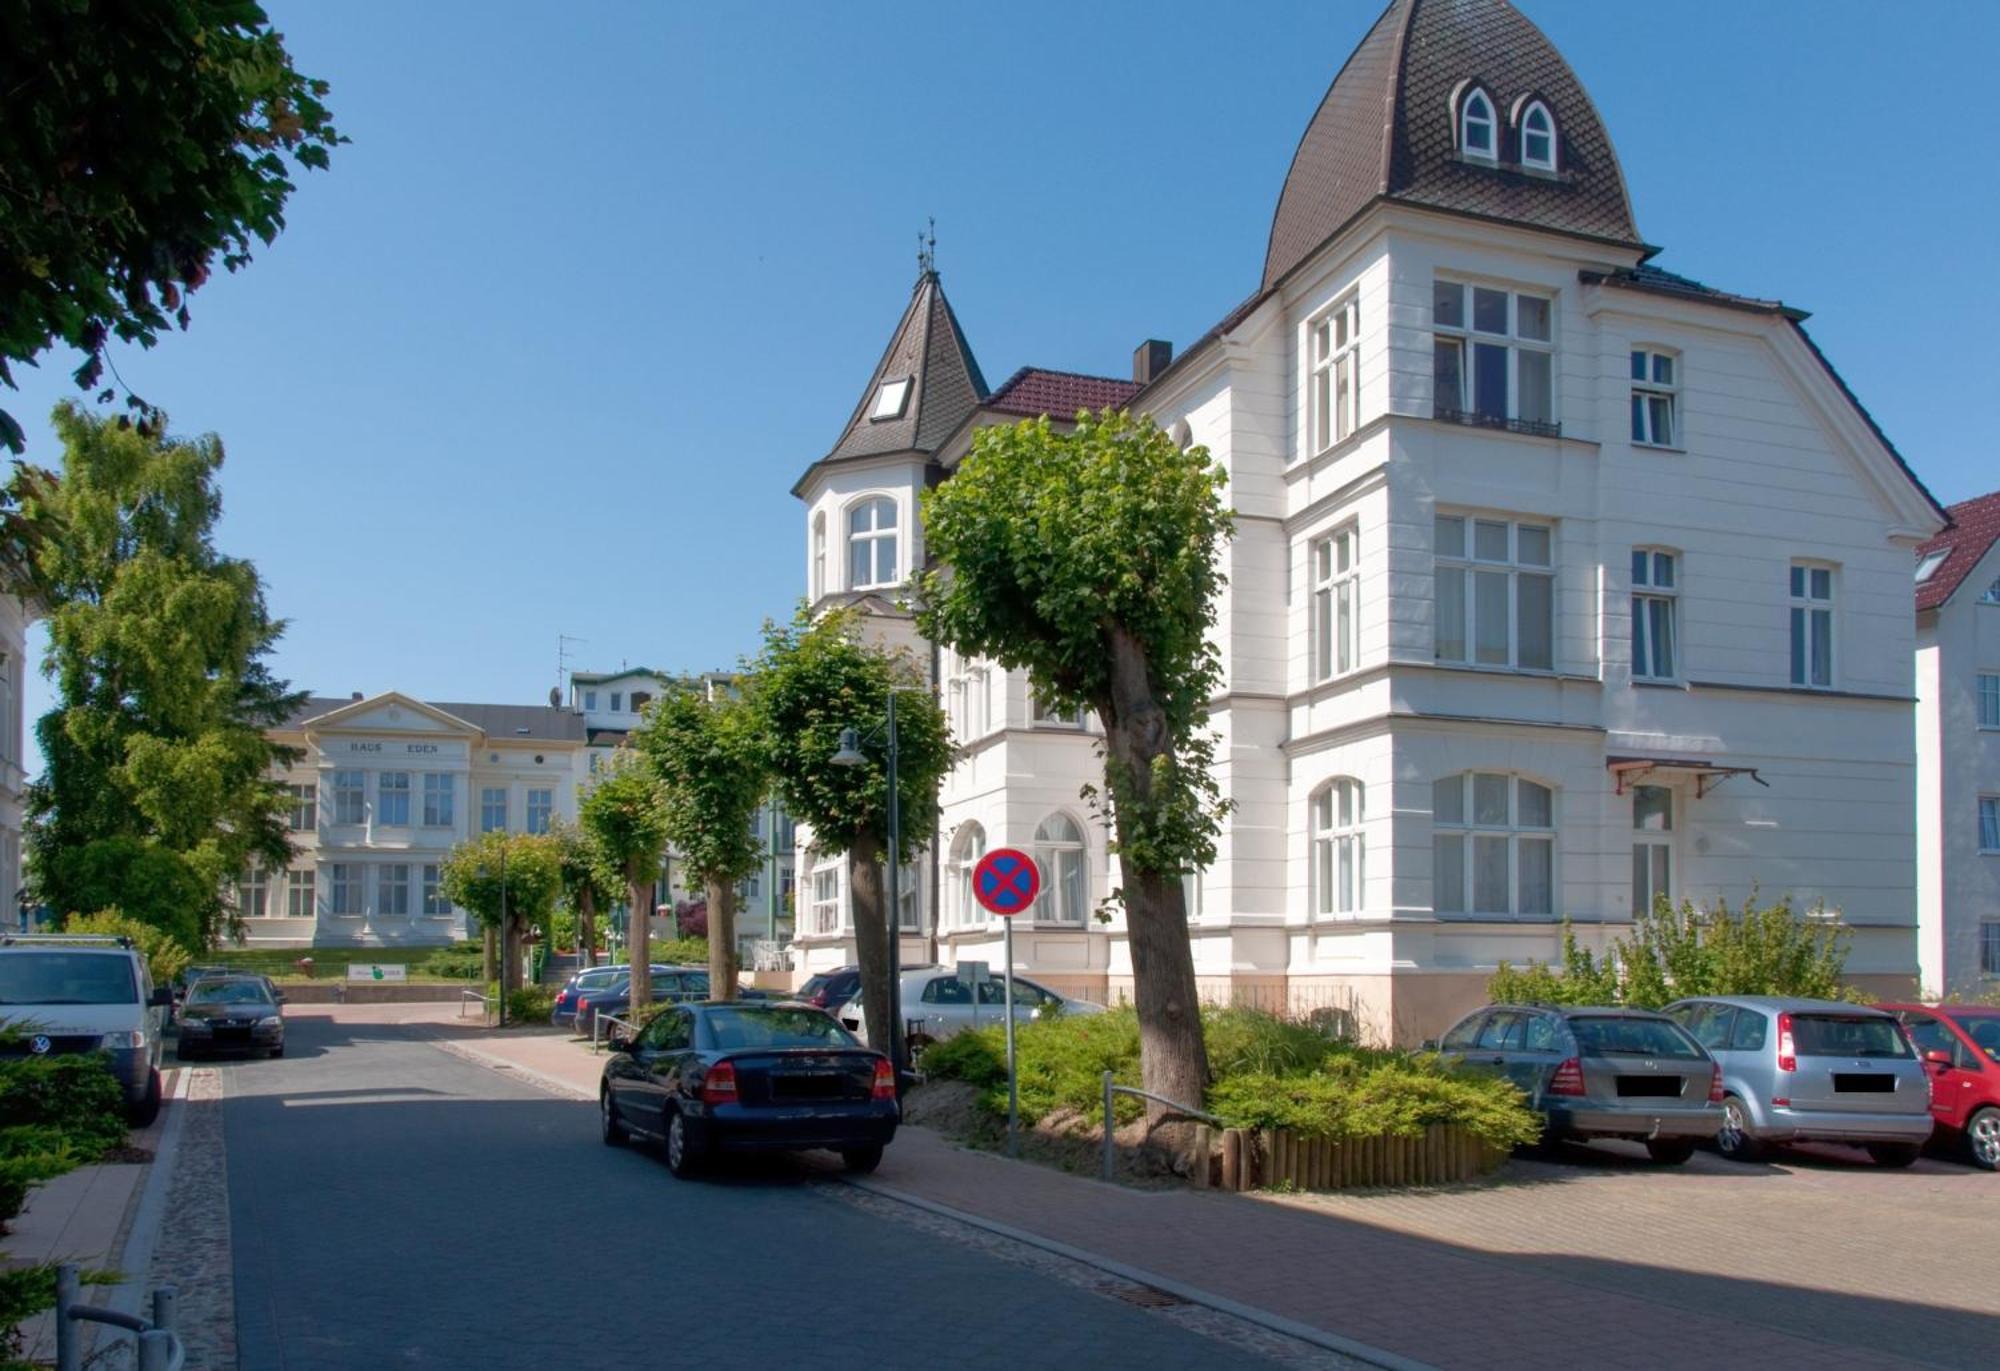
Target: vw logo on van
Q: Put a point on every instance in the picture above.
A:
(40, 1044)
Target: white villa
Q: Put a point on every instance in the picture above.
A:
(1560, 580)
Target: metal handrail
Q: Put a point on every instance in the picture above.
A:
(465, 995)
(160, 1347)
(597, 1021)
(1111, 1088)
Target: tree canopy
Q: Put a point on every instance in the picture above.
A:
(625, 815)
(138, 144)
(526, 866)
(156, 750)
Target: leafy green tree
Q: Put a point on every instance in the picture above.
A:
(709, 755)
(589, 882)
(813, 681)
(1091, 558)
(158, 789)
(509, 882)
(138, 143)
(625, 815)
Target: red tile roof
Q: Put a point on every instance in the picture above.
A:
(1033, 391)
(1975, 524)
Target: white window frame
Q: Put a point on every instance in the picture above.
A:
(1986, 695)
(350, 796)
(1813, 623)
(1046, 715)
(1335, 814)
(299, 894)
(253, 893)
(392, 799)
(1548, 161)
(1656, 402)
(910, 893)
(304, 815)
(968, 845)
(1989, 825)
(1061, 904)
(346, 890)
(1333, 359)
(392, 890)
(486, 808)
(590, 701)
(823, 910)
(541, 809)
(440, 799)
(1194, 893)
(1656, 627)
(1652, 848)
(1335, 562)
(1464, 827)
(819, 555)
(1475, 108)
(1466, 337)
(866, 529)
(1469, 566)
(435, 904)
(892, 399)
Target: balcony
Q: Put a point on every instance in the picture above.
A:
(1533, 428)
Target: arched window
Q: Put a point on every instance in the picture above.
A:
(1475, 125)
(1493, 845)
(966, 849)
(1538, 137)
(819, 555)
(1060, 853)
(1337, 850)
(871, 544)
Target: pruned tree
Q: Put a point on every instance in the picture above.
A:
(138, 144)
(508, 881)
(709, 755)
(589, 882)
(625, 815)
(1091, 558)
(815, 679)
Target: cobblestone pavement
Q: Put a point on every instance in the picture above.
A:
(393, 1205)
(193, 1254)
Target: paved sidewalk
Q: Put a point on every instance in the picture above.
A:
(1447, 1298)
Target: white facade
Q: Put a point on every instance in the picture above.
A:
(1958, 781)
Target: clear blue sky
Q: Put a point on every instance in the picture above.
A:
(546, 348)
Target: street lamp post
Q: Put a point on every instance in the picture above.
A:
(850, 755)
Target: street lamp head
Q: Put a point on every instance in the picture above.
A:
(850, 753)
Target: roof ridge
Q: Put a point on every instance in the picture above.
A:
(1058, 371)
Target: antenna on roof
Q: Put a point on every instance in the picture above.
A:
(927, 248)
(563, 641)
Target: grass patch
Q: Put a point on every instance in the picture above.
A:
(459, 962)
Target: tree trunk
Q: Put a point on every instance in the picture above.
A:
(639, 932)
(510, 955)
(489, 959)
(1173, 1060)
(721, 939)
(871, 937)
(586, 928)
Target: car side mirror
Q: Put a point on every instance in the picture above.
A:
(161, 998)
(280, 997)
(1938, 1057)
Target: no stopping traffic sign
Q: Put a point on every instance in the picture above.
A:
(1006, 881)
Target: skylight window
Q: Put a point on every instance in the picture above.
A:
(1538, 138)
(1929, 562)
(891, 399)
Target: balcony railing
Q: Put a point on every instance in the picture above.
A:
(1534, 428)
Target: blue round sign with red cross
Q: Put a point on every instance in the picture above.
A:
(1006, 881)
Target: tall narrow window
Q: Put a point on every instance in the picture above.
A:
(1475, 125)
(1335, 337)
(823, 915)
(1812, 625)
(819, 555)
(1989, 823)
(392, 890)
(1495, 593)
(350, 797)
(1655, 595)
(1059, 853)
(305, 808)
(439, 791)
(871, 544)
(1989, 699)
(966, 849)
(493, 809)
(1337, 851)
(392, 799)
(253, 896)
(1192, 894)
(1654, 387)
(590, 701)
(299, 895)
(1493, 358)
(541, 808)
(1336, 568)
(1652, 846)
(617, 702)
(435, 902)
(343, 888)
(910, 898)
(1538, 137)
(1989, 947)
(1492, 845)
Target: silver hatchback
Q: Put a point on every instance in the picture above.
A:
(1812, 1071)
(939, 1002)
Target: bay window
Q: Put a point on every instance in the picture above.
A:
(1060, 854)
(1333, 408)
(1492, 845)
(1493, 357)
(1495, 592)
(871, 544)
(1336, 566)
(1337, 847)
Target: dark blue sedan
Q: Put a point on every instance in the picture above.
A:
(726, 1076)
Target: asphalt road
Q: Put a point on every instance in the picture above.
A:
(393, 1205)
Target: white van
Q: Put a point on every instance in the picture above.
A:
(85, 994)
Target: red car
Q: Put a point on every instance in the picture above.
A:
(1960, 1045)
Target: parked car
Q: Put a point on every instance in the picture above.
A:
(1812, 1071)
(1598, 1073)
(591, 978)
(231, 1014)
(938, 1002)
(718, 1076)
(674, 984)
(830, 990)
(1960, 1049)
(86, 994)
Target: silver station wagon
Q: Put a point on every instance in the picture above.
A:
(1812, 1071)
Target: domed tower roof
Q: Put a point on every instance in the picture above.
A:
(1389, 128)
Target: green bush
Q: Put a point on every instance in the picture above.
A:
(165, 958)
(73, 1094)
(463, 962)
(1359, 1094)
(526, 1004)
(681, 951)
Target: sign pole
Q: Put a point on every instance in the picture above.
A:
(1005, 882)
(1013, 1079)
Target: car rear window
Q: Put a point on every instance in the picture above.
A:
(1622, 1037)
(775, 1027)
(66, 978)
(1848, 1035)
(1983, 1029)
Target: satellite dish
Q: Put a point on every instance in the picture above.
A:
(555, 697)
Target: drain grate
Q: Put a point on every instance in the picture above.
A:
(1147, 1297)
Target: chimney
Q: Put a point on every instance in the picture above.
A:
(355, 696)
(1149, 359)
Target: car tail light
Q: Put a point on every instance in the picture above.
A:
(1568, 1079)
(1714, 1083)
(885, 1081)
(719, 1085)
(1788, 1052)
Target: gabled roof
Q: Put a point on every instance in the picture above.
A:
(1975, 527)
(537, 723)
(1035, 391)
(929, 350)
(1385, 130)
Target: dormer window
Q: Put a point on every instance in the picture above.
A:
(1929, 562)
(1538, 137)
(891, 400)
(1476, 125)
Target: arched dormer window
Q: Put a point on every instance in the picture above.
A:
(871, 544)
(1538, 137)
(1477, 134)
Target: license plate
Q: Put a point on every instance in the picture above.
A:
(1651, 1087)
(1863, 1083)
(829, 1085)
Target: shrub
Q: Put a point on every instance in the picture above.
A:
(1251, 1041)
(463, 962)
(681, 951)
(165, 958)
(1363, 1094)
(527, 1004)
(74, 1095)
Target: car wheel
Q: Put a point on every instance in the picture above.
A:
(1734, 1139)
(1982, 1139)
(682, 1159)
(610, 1128)
(1670, 1151)
(1897, 1155)
(147, 1109)
(862, 1160)
(278, 1051)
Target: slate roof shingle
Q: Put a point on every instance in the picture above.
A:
(1035, 391)
(1975, 526)
(539, 723)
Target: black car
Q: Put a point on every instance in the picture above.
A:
(725, 1076)
(230, 1014)
(676, 985)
